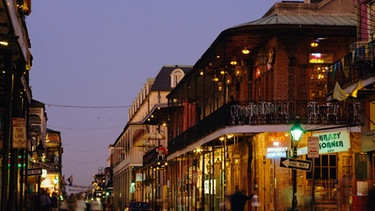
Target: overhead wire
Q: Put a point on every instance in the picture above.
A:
(85, 107)
(80, 106)
(78, 150)
(70, 128)
(80, 163)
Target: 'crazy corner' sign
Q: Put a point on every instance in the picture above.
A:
(338, 141)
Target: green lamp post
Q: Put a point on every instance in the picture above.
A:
(296, 132)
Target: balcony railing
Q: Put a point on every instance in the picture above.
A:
(150, 157)
(356, 65)
(270, 113)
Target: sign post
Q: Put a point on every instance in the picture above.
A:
(313, 152)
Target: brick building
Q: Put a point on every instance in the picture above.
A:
(233, 112)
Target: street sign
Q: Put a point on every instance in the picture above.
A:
(313, 147)
(32, 172)
(19, 133)
(295, 164)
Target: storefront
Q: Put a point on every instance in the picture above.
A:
(202, 178)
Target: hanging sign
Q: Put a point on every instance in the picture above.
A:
(19, 133)
(338, 141)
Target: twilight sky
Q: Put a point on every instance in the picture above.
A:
(97, 54)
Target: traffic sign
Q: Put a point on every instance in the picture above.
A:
(31, 172)
(313, 147)
(295, 164)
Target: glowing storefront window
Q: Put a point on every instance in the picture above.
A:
(320, 58)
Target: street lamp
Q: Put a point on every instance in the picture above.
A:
(296, 132)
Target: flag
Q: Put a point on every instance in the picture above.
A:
(70, 180)
(341, 94)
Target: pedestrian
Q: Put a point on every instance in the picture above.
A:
(238, 200)
(80, 203)
(64, 205)
(37, 202)
(45, 201)
(71, 201)
(54, 202)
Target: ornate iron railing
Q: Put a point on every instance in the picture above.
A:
(356, 65)
(269, 113)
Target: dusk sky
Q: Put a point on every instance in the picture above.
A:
(91, 55)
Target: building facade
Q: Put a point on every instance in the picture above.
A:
(352, 76)
(133, 177)
(236, 108)
(15, 98)
(43, 162)
(229, 119)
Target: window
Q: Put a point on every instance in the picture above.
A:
(318, 81)
(325, 178)
(325, 167)
(176, 76)
(320, 58)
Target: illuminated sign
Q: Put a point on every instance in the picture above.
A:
(276, 152)
(338, 141)
(320, 58)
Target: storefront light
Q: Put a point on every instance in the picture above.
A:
(236, 159)
(227, 162)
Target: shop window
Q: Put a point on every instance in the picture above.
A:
(325, 178)
(325, 167)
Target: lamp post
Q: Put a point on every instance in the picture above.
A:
(296, 133)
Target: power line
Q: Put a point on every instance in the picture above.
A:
(78, 106)
(80, 163)
(70, 128)
(79, 150)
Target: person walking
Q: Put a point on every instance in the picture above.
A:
(54, 202)
(45, 201)
(80, 204)
(71, 202)
(238, 200)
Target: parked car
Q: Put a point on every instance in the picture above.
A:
(138, 206)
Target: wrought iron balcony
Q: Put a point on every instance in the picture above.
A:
(356, 65)
(153, 158)
(150, 157)
(270, 113)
